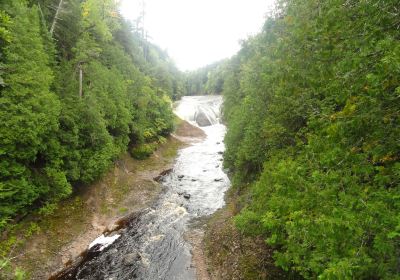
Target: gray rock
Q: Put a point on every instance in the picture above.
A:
(181, 176)
(186, 195)
(218, 180)
(201, 119)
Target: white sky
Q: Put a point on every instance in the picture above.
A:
(199, 32)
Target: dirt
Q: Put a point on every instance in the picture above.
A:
(230, 255)
(187, 132)
(128, 187)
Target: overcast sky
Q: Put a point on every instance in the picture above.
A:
(198, 32)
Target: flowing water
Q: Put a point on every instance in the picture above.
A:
(152, 245)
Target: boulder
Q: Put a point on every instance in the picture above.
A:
(201, 119)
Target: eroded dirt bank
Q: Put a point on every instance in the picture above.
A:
(230, 255)
(47, 243)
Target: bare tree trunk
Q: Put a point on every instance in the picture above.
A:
(80, 81)
(56, 17)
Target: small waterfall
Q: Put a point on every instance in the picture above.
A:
(153, 244)
(200, 110)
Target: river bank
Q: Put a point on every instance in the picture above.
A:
(41, 244)
(231, 255)
(162, 241)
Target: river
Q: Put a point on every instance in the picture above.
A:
(152, 245)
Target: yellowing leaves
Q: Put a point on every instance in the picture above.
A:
(85, 11)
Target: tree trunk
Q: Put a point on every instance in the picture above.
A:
(56, 17)
(80, 80)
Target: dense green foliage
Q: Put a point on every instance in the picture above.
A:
(312, 106)
(55, 132)
(206, 80)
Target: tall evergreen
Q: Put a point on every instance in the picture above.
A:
(312, 107)
(76, 91)
(29, 113)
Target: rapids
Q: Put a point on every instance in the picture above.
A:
(152, 245)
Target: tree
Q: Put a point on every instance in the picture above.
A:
(29, 119)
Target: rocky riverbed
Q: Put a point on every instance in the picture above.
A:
(161, 241)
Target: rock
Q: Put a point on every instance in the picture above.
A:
(218, 180)
(166, 172)
(161, 177)
(217, 166)
(204, 170)
(130, 259)
(181, 176)
(201, 119)
(194, 180)
(218, 143)
(220, 153)
(186, 195)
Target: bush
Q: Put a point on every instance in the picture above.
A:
(143, 151)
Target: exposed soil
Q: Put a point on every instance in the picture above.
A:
(186, 130)
(127, 188)
(231, 255)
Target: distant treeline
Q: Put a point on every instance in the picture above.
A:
(205, 81)
(312, 105)
(78, 87)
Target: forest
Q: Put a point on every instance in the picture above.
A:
(311, 105)
(312, 109)
(207, 80)
(78, 86)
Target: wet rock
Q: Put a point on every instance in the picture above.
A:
(186, 195)
(181, 176)
(130, 259)
(217, 166)
(218, 180)
(220, 153)
(201, 119)
(218, 143)
(166, 172)
(194, 180)
(161, 176)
